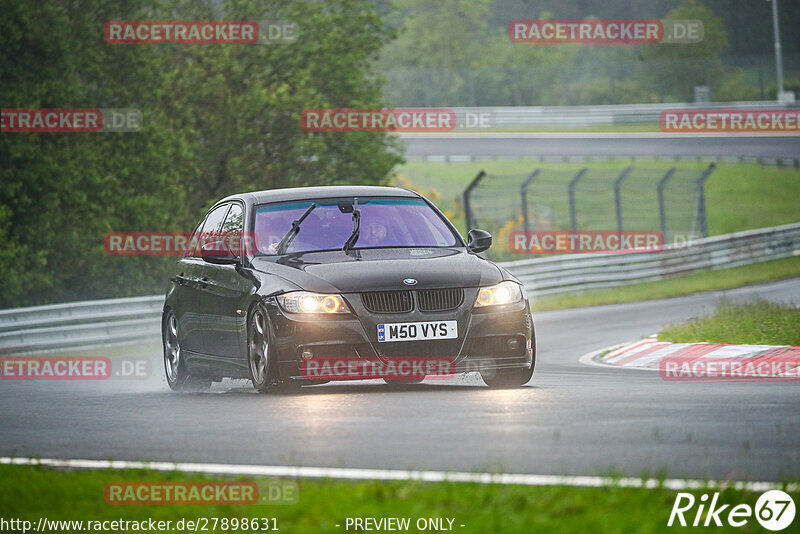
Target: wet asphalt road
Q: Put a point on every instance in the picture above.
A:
(571, 419)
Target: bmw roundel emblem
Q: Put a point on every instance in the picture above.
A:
(410, 282)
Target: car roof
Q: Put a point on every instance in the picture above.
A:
(330, 191)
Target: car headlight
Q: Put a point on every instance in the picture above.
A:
(502, 293)
(307, 302)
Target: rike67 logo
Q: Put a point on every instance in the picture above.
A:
(774, 510)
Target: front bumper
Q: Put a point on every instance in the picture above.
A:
(496, 337)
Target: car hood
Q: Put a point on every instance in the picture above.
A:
(381, 269)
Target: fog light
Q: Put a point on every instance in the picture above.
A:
(307, 353)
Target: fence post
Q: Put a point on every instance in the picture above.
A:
(524, 196)
(701, 199)
(572, 184)
(662, 214)
(618, 196)
(467, 209)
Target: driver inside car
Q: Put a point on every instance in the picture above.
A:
(373, 234)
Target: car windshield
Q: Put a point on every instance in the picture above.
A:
(385, 223)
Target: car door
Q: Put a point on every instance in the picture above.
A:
(193, 313)
(225, 295)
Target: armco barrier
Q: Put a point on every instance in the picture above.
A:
(581, 272)
(80, 324)
(582, 116)
(105, 322)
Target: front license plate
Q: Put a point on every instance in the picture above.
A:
(418, 331)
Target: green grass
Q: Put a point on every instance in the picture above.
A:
(674, 287)
(32, 492)
(753, 323)
(740, 196)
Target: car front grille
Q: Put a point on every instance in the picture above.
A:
(440, 299)
(428, 300)
(388, 301)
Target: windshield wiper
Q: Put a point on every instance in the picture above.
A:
(351, 241)
(287, 239)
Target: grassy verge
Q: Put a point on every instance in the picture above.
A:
(739, 196)
(752, 323)
(30, 493)
(674, 287)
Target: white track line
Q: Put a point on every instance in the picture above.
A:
(397, 474)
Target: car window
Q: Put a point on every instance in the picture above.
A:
(385, 223)
(205, 230)
(231, 230)
(233, 221)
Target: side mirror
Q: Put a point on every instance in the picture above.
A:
(218, 252)
(479, 240)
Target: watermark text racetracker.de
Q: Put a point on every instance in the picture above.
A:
(585, 241)
(694, 363)
(200, 31)
(179, 243)
(72, 368)
(378, 120)
(730, 120)
(263, 492)
(355, 368)
(667, 31)
(66, 120)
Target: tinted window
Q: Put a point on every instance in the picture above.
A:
(233, 222)
(205, 229)
(214, 220)
(385, 222)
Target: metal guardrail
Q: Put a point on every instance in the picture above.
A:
(582, 272)
(579, 116)
(105, 322)
(767, 161)
(80, 324)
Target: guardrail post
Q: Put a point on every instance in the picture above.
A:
(524, 196)
(701, 215)
(618, 195)
(662, 214)
(572, 184)
(467, 208)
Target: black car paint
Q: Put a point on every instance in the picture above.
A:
(212, 301)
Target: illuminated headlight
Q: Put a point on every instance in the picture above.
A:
(502, 293)
(305, 302)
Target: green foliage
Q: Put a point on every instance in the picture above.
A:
(674, 287)
(30, 493)
(459, 54)
(218, 119)
(752, 323)
(677, 68)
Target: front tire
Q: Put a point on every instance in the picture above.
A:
(514, 377)
(178, 378)
(260, 356)
(507, 378)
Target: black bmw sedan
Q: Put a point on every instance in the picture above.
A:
(341, 283)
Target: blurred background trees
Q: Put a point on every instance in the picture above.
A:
(220, 119)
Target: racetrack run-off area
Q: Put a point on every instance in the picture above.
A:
(571, 419)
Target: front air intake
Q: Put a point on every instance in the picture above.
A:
(388, 301)
(440, 299)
